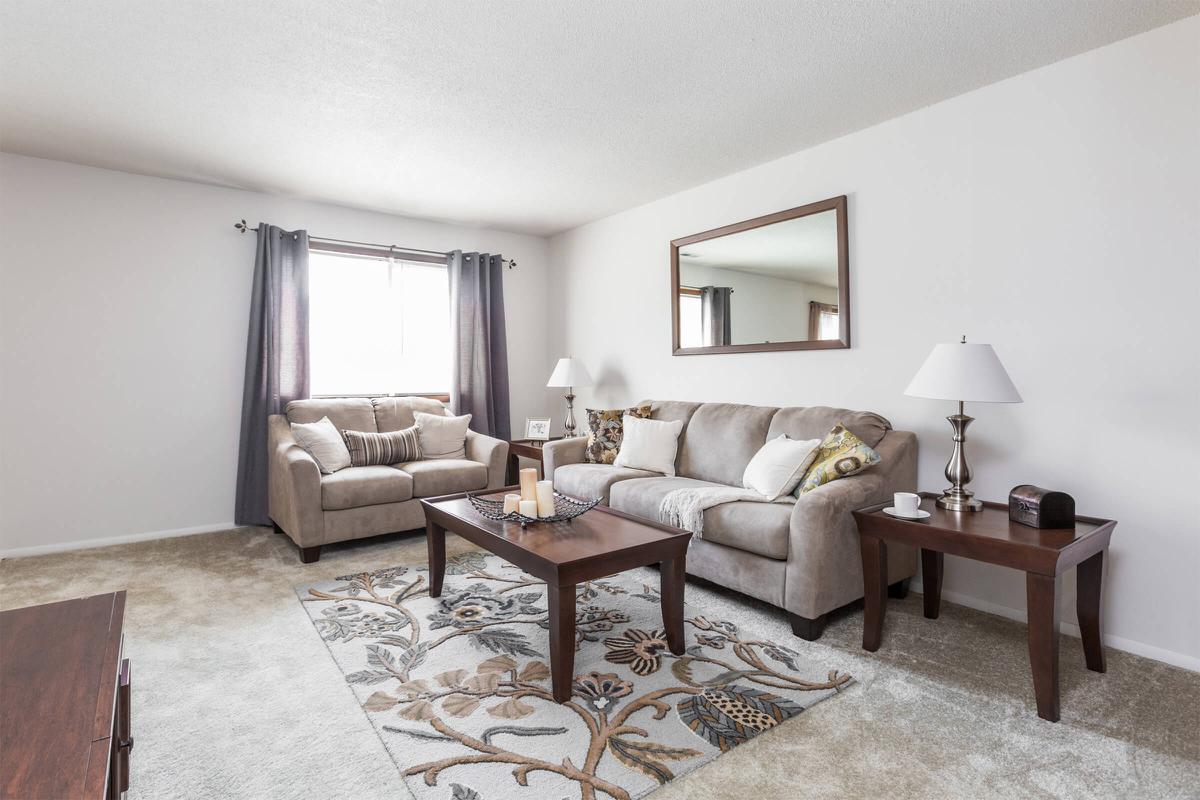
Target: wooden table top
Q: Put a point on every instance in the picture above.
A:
(599, 535)
(58, 667)
(989, 535)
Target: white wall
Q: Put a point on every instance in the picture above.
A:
(1055, 215)
(124, 303)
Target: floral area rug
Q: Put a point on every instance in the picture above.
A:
(458, 687)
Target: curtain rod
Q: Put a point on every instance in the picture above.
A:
(243, 227)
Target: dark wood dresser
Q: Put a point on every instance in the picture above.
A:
(64, 701)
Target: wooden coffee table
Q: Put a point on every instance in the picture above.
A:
(599, 543)
(1043, 554)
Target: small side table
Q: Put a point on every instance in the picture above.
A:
(1043, 554)
(528, 448)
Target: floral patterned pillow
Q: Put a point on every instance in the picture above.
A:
(605, 430)
(841, 454)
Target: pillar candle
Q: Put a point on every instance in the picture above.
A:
(529, 484)
(511, 502)
(545, 498)
(529, 508)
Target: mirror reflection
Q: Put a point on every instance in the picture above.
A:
(770, 284)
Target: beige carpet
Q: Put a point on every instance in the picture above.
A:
(235, 697)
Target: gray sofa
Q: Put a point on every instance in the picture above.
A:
(357, 502)
(804, 556)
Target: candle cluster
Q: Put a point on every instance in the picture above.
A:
(536, 498)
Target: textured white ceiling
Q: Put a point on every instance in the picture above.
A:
(529, 116)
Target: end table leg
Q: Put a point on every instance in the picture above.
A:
(435, 541)
(511, 472)
(1043, 642)
(874, 564)
(931, 581)
(671, 598)
(1088, 579)
(561, 600)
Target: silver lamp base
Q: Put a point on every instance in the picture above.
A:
(958, 472)
(569, 420)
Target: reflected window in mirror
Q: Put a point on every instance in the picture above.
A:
(822, 320)
(773, 283)
(691, 334)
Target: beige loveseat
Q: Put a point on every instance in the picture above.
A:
(802, 556)
(356, 502)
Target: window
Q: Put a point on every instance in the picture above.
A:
(691, 325)
(377, 325)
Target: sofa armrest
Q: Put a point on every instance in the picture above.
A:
(562, 452)
(824, 561)
(294, 486)
(492, 453)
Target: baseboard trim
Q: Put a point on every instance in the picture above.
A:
(88, 544)
(1171, 657)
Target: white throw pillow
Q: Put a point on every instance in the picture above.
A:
(442, 437)
(324, 443)
(779, 466)
(649, 444)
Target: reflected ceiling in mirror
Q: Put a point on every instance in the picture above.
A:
(777, 282)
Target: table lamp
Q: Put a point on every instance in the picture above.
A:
(965, 373)
(567, 375)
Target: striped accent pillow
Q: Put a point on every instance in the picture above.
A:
(367, 449)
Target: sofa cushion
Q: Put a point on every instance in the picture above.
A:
(721, 438)
(589, 481)
(816, 422)
(759, 528)
(445, 476)
(398, 413)
(364, 486)
(346, 413)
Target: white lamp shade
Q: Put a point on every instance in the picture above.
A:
(965, 372)
(569, 372)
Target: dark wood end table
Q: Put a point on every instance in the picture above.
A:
(527, 448)
(599, 543)
(1043, 554)
(65, 700)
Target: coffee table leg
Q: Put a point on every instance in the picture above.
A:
(671, 597)
(931, 581)
(874, 564)
(1043, 642)
(561, 600)
(435, 541)
(1088, 579)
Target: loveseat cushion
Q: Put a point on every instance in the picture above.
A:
(759, 528)
(398, 413)
(364, 486)
(346, 413)
(589, 481)
(445, 476)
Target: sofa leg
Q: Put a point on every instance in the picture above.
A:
(808, 629)
(899, 589)
(309, 555)
(278, 529)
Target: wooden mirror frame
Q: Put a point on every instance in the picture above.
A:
(837, 204)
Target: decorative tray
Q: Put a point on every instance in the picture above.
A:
(565, 509)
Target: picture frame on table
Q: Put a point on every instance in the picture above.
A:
(537, 429)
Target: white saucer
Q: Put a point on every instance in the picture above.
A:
(891, 512)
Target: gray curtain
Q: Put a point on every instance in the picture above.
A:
(479, 377)
(714, 314)
(276, 358)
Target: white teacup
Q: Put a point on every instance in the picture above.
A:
(906, 504)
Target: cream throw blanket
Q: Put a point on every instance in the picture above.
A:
(684, 508)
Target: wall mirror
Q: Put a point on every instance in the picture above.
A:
(778, 282)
